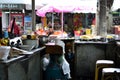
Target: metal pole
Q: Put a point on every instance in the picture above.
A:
(52, 20)
(33, 16)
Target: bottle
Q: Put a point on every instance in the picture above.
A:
(5, 39)
(6, 34)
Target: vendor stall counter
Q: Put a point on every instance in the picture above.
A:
(86, 55)
(69, 44)
(22, 67)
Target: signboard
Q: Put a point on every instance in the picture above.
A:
(12, 6)
(19, 18)
(28, 23)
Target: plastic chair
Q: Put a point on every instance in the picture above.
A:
(100, 64)
(111, 74)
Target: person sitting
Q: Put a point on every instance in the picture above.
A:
(50, 31)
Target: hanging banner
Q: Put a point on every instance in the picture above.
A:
(28, 23)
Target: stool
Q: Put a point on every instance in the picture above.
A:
(102, 64)
(111, 73)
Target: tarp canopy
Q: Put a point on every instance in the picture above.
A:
(39, 3)
(76, 6)
(53, 8)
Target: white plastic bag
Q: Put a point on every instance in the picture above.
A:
(66, 68)
(45, 61)
(4, 52)
(65, 64)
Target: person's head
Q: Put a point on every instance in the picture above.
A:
(50, 29)
(60, 43)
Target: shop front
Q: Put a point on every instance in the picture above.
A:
(12, 10)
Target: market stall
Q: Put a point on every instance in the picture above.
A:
(86, 54)
(20, 60)
(22, 67)
(72, 7)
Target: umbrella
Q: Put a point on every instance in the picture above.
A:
(81, 6)
(41, 12)
(54, 8)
